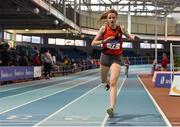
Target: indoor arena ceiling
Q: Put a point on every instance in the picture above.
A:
(136, 7)
(22, 14)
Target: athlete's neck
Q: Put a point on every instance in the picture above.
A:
(114, 26)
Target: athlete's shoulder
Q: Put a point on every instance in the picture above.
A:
(102, 29)
(122, 27)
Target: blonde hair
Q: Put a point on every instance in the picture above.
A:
(105, 14)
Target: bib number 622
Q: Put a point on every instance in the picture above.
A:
(113, 45)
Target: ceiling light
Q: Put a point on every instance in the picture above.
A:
(26, 30)
(36, 10)
(56, 22)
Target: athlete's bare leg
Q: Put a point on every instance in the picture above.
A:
(104, 70)
(114, 74)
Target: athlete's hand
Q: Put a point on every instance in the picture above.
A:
(136, 38)
(109, 38)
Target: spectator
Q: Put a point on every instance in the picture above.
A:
(126, 64)
(154, 66)
(47, 62)
(5, 55)
(36, 60)
(36, 49)
(164, 62)
(23, 60)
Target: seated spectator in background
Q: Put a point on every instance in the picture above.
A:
(164, 62)
(36, 50)
(37, 60)
(24, 60)
(5, 55)
(66, 60)
(14, 58)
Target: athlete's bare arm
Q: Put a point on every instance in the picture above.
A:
(128, 36)
(125, 33)
(97, 40)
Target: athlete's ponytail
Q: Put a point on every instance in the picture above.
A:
(105, 14)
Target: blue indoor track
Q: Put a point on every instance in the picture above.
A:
(78, 100)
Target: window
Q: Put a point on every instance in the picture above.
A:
(26, 38)
(127, 45)
(19, 37)
(0, 35)
(79, 43)
(69, 42)
(7, 36)
(60, 41)
(36, 39)
(51, 41)
(159, 46)
(145, 45)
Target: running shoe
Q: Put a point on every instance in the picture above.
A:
(107, 87)
(110, 112)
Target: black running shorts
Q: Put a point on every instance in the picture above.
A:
(108, 60)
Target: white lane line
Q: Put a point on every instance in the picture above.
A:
(57, 84)
(106, 117)
(48, 95)
(156, 105)
(26, 84)
(36, 125)
(23, 85)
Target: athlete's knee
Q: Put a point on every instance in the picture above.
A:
(112, 83)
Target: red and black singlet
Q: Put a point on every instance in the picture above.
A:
(112, 47)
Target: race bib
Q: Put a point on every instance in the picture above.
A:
(113, 44)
